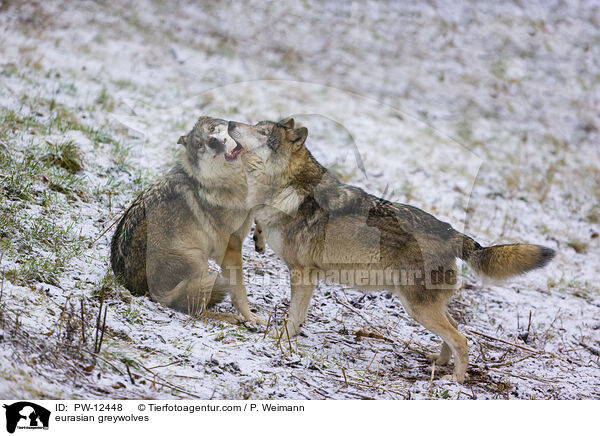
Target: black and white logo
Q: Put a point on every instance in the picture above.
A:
(26, 415)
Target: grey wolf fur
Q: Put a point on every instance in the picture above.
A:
(197, 212)
(318, 224)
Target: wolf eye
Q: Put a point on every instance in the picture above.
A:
(197, 141)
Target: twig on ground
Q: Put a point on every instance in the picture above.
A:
(355, 383)
(91, 244)
(109, 363)
(531, 350)
(83, 336)
(100, 327)
(590, 348)
(164, 381)
(268, 325)
(129, 373)
(361, 396)
(167, 364)
(510, 362)
(362, 333)
(345, 378)
(288, 337)
(367, 369)
(527, 377)
(431, 378)
(317, 389)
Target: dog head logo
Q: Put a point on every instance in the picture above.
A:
(26, 415)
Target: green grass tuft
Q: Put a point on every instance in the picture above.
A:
(66, 155)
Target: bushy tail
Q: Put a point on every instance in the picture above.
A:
(502, 261)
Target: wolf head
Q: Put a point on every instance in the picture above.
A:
(274, 158)
(269, 147)
(208, 147)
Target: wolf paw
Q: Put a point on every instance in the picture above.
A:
(260, 249)
(437, 358)
(254, 320)
(455, 378)
(225, 317)
(259, 240)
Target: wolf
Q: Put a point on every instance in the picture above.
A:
(164, 240)
(325, 229)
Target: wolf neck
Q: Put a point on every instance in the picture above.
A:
(286, 193)
(225, 188)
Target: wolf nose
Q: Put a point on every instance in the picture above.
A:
(215, 144)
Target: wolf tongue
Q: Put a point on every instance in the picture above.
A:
(234, 153)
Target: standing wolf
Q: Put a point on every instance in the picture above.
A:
(324, 229)
(197, 212)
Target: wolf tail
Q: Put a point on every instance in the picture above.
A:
(502, 261)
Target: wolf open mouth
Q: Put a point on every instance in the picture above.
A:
(234, 153)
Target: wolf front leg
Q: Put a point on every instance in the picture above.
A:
(233, 274)
(302, 288)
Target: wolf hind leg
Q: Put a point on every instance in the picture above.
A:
(443, 357)
(434, 317)
(194, 295)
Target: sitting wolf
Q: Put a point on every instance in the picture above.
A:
(197, 212)
(325, 229)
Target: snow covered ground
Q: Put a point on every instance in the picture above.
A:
(486, 115)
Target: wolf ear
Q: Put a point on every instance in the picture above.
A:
(289, 123)
(297, 137)
(182, 140)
